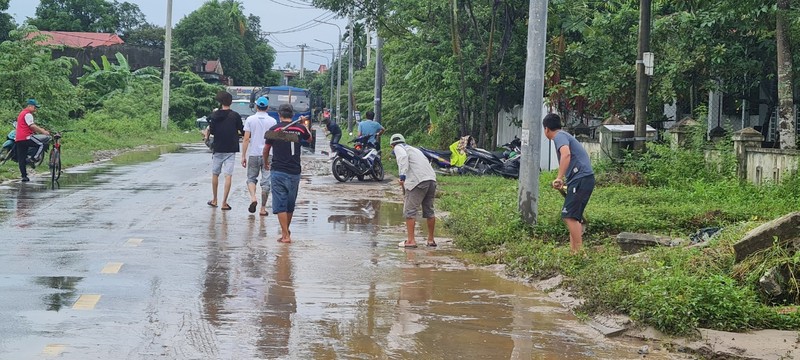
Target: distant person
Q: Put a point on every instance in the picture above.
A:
(372, 128)
(226, 125)
(418, 181)
(285, 169)
(26, 128)
(575, 172)
(253, 160)
(335, 132)
(326, 114)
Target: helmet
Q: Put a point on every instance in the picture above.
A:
(397, 139)
(262, 102)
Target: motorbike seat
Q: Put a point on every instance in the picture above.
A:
(442, 153)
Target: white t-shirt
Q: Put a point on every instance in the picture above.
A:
(258, 124)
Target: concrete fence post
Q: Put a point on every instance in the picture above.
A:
(742, 140)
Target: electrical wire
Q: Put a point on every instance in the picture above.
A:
(306, 25)
(305, 6)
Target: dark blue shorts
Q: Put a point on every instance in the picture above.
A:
(284, 191)
(578, 193)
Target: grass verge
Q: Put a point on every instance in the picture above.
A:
(673, 289)
(105, 131)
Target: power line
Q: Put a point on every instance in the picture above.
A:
(305, 6)
(306, 25)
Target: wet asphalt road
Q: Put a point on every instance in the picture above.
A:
(126, 261)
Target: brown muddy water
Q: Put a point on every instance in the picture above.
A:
(195, 282)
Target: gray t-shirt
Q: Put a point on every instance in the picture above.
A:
(580, 165)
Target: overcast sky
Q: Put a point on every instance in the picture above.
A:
(276, 16)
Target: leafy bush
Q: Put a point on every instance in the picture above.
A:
(28, 71)
(190, 98)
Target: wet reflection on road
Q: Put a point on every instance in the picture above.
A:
(201, 283)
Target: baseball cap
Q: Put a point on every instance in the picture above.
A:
(397, 139)
(33, 102)
(262, 102)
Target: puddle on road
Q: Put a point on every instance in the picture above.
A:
(64, 297)
(141, 156)
(335, 296)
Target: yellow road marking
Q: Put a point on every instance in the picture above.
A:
(53, 349)
(134, 242)
(111, 268)
(86, 302)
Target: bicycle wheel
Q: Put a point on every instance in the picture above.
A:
(55, 165)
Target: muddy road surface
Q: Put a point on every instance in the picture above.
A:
(126, 261)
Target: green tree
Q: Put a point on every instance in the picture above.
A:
(147, 35)
(218, 30)
(87, 16)
(6, 23)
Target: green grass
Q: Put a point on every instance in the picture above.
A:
(103, 132)
(673, 289)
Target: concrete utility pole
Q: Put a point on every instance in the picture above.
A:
(532, 112)
(330, 69)
(350, 99)
(642, 81)
(302, 59)
(369, 43)
(167, 67)
(378, 77)
(339, 70)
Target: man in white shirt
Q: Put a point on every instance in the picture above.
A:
(253, 145)
(419, 187)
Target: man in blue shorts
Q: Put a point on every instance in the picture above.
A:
(575, 172)
(285, 168)
(226, 125)
(373, 129)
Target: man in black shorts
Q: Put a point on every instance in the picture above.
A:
(575, 175)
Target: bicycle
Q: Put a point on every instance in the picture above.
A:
(55, 159)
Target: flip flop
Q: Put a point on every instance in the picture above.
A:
(265, 213)
(403, 244)
(226, 207)
(252, 208)
(431, 244)
(211, 204)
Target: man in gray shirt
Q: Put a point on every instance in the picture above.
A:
(575, 176)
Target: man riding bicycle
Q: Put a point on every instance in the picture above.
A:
(26, 128)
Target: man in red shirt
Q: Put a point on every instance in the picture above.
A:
(26, 128)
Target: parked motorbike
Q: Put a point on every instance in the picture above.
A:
(8, 146)
(357, 162)
(9, 152)
(440, 161)
(505, 163)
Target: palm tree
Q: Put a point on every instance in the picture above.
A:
(235, 13)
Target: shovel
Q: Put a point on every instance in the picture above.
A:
(281, 134)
